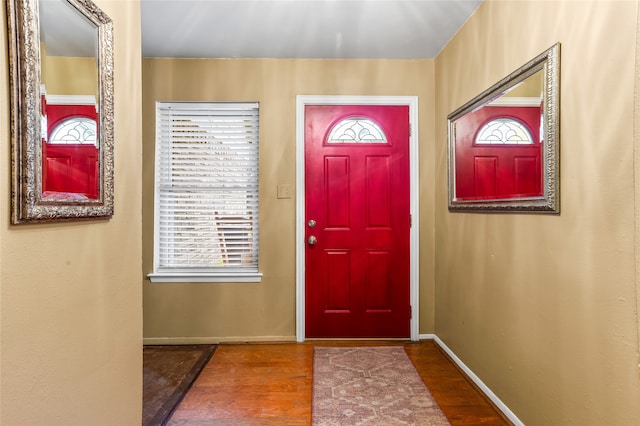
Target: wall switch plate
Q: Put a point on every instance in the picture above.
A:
(284, 190)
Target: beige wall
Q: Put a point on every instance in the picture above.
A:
(543, 308)
(266, 310)
(68, 75)
(70, 296)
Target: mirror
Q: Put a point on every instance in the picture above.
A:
(61, 80)
(504, 143)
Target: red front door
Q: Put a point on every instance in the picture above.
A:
(489, 171)
(357, 221)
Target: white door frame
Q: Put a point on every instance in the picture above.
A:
(412, 103)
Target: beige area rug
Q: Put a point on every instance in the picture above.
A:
(375, 385)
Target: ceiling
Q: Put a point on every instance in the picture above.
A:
(322, 29)
(65, 31)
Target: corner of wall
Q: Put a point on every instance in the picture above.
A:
(636, 173)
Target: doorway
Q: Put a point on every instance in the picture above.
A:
(371, 319)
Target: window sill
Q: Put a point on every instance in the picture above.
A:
(205, 277)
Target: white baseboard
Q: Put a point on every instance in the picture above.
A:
(427, 337)
(215, 340)
(484, 388)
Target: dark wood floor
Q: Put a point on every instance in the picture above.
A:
(270, 384)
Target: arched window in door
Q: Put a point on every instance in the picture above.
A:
(356, 130)
(75, 130)
(504, 131)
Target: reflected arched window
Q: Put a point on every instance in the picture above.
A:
(504, 131)
(76, 130)
(356, 130)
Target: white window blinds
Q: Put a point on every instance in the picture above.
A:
(206, 195)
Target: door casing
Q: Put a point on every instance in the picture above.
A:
(412, 103)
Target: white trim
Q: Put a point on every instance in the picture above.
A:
(412, 103)
(516, 101)
(484, 388)
(427, 337)
(205, 277)
(70, 100)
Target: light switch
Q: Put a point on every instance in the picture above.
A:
(284, 190)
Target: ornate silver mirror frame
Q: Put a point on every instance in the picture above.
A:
(28, 204)
(543, 195)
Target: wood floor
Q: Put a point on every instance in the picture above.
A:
(270, 384)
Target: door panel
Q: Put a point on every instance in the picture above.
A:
(379, 283)
(336, 280)
(357, 273)
(378, 192)
(485, 174)
(337, 190)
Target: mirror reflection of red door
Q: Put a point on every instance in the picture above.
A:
(69, 169)
(488, 171)
(357, 221)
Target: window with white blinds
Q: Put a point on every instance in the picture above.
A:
(206, 192)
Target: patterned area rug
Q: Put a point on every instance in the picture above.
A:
(375, 385)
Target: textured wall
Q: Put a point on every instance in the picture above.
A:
(543, 308)
(70, 294)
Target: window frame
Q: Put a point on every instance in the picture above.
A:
(194, 273)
